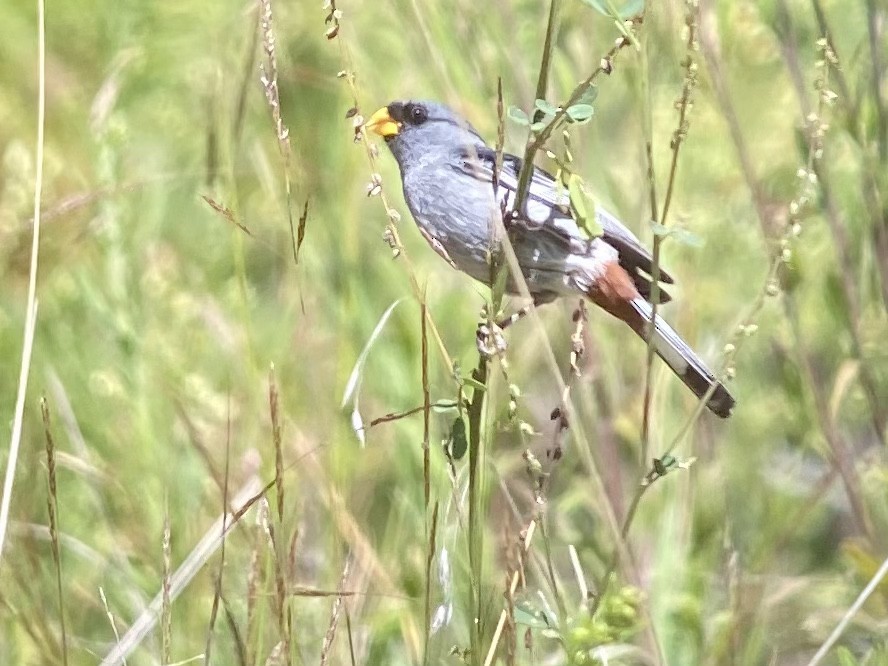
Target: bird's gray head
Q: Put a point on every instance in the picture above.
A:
(416, 130)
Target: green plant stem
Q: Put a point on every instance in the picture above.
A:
(426, 407)
(52, 505)
(677, 141)
(31, 312)
(546, 60)
(430, 556)
(615, 556)
(476, 444)
(426, 474)
(538, 140)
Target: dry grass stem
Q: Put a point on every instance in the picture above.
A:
(335, 613)
(217, 593)
(52, 505)
(166, 612)
(269, 81)
(31, 314)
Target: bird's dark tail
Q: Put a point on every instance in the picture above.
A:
(680, 358)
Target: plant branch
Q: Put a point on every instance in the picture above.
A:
(269, 81)
(678, 137)
(538, 139)
(546, 60)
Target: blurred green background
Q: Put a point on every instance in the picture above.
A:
(159, 320)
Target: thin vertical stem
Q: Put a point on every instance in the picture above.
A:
(476, 416)
(31, 313)
(52, 504)
(546, 59)
(426, 407)
(678, 137)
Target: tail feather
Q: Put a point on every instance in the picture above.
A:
(681, 359)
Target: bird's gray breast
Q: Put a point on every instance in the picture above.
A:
(456, 213)
(454, 210)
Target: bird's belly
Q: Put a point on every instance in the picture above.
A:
(467, 248)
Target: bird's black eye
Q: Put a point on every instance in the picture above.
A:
(417, 114)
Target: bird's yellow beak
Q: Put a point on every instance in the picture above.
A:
(383, 124)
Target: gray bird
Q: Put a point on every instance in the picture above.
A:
(447, 171)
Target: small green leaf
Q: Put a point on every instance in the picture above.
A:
(544, 113)
(474, 383)
(530, 616)
(458, 441)
(629, 9)
(518, 116)
(577, 197)
(546, 107)
(687, 237)
(589, 95)
(669, 463)
(659, 230)
(444, 406)
(580, 113)
(597, 6)
(686, 464)
(679, 234)
(583, 208)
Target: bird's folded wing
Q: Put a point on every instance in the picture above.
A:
(547, 208)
